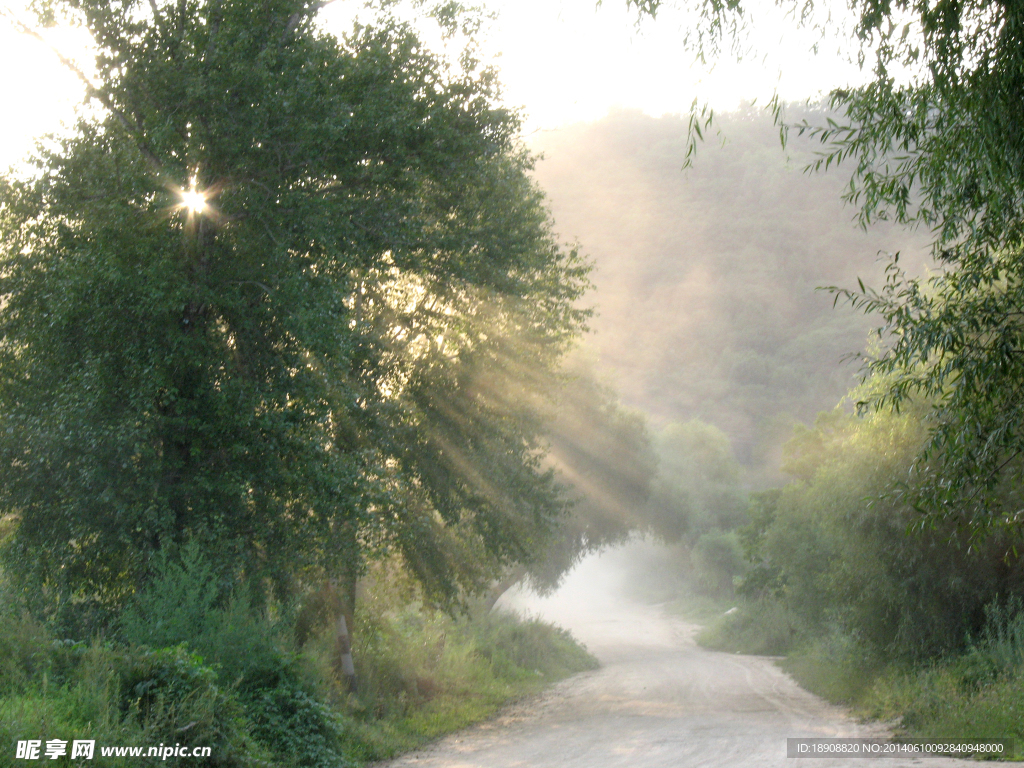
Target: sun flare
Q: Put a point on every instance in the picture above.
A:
(193, 200)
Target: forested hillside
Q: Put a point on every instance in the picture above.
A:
(706, 277)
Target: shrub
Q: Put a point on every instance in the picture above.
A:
(300, 730)
(528, 647)
(24, 651)
(187, 605)
(766, 627)
(717, 561)
(176, 698)
(127, 698)
(998, 650)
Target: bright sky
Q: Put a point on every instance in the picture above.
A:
(566, 61)
(561, 60)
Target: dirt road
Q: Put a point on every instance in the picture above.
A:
(658, 700)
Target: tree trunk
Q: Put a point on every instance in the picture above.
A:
(346, 622)
(512, 577)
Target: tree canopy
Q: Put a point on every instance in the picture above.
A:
(935, 140)
(292, 296)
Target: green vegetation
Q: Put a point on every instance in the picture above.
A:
(705, 279)
(284, 320)
(890, 570)
(320, 363)
(922, 626)
(194, 665)
(285, 314)
(933, 140)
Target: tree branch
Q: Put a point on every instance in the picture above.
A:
(156, 14)
(295, 18)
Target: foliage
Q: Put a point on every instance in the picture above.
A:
(761, 627)
(691, 549)
(957, 340)
(923, 627)
(177, 605)
(417, 663)
(932, 703)
(603, 455)
(296, 727)
(123, 697)
(997, 652)
(252, 698)
(717, 562)
(966, 694)
(936, 139)
(186, 605)
(326, 362)
(22, 654)
(847, 568)
(170, 691)
(697, 490)
(424, 673)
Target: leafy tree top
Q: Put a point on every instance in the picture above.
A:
(276, 295)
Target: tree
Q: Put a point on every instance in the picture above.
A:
(282, 294)
(847, 568)
(697, 489)
(603, 454)
(940, 147)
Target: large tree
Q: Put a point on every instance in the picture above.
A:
(936, 139)
(287, 295)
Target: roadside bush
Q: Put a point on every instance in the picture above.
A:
(24, 651)
(522, 648)
(836, 666)
(300, 730)
(933, 702)
(186, 604)
(766, 627)
(126, 698)
(915, 625)
(997, 652)
(847, 559)
(422, 672)
(198, 665)
(717, 562)
(177, 605)
(175, 698)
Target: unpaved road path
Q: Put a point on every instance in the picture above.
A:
(658, 701)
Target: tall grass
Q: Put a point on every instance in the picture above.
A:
(977, 694)
(195, 663)
(423, 673)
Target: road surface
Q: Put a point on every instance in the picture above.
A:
(659, 700)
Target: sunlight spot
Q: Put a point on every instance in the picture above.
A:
(193, 200)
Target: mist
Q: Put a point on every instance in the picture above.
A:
(711, 331)
(706, 278)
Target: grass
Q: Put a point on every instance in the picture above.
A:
(757, 627)
(976, 695)
(422, 674)
(698, 608)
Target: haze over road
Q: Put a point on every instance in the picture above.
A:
(658, 700)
